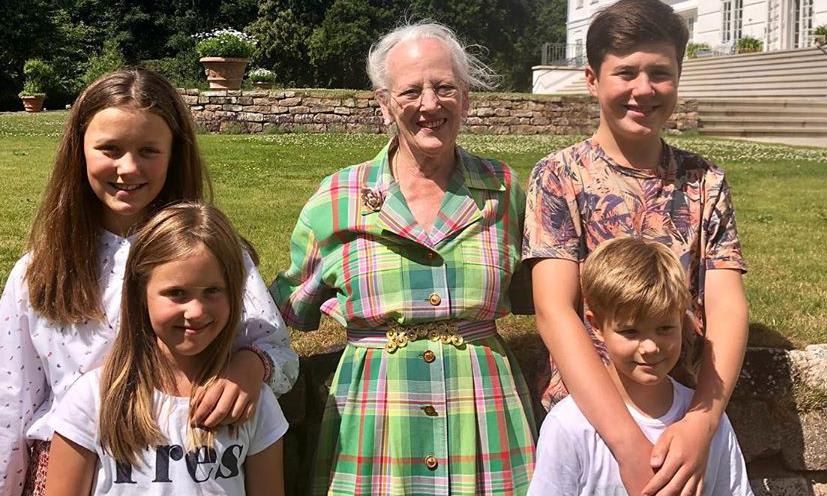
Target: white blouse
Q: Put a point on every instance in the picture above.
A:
(39, 360)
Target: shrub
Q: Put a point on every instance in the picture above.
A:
(749, 44)
(261, 75)
(108, 60)
(692, 49)
(225, 43)
(39, 77)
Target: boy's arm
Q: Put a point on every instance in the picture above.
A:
(71, 468)
(556, 297)
(264, 472)
(681, 452)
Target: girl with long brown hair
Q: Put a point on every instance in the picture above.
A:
(128, 149)
(125, 428)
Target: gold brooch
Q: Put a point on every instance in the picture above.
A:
(372, 199)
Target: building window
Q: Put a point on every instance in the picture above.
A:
(690, 27)
(803, 33)
(732, 13)
(726, 24)
(737, 21)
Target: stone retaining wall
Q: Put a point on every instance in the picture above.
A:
(778, 411)
(357, 111)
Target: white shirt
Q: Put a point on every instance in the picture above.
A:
(39, 361)
(572, 458)
(172, 468)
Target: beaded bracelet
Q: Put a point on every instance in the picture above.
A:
(266, 360)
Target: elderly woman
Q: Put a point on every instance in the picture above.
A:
(414, 253)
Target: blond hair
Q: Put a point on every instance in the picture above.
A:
(135, 367)
(631, 279)
(63, 285)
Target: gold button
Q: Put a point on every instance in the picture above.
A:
(431, 462)
(429, 411)
(428, 356)
(434, 299)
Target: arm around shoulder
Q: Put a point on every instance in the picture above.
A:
(264, 328)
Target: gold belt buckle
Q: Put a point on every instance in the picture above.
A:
(399, 336)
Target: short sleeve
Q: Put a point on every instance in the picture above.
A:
(551, 219)
(76, 416)
(557, 466)
(732, 479)
(722, 249)
(270, 424)
(300, 291)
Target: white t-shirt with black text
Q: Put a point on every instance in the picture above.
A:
(171, 468)
(572, 458)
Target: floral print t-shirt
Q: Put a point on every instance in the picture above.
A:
(579, 197)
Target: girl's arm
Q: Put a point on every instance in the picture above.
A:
(24, 386)
(556, 297)
(682, 450)
(233, 397)
(264, 472)
(71, 468)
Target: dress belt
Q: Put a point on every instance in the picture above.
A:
(395, 336)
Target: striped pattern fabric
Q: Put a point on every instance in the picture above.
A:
(428, 418)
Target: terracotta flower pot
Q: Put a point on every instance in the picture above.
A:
(224, 73)
(33, 103)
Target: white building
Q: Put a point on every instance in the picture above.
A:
(779, 24)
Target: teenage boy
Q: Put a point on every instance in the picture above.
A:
(636, 295)
(625, 181)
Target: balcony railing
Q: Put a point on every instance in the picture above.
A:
(567, 54)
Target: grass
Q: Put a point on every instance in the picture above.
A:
(262, 181)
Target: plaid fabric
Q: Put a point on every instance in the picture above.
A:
(388, 413)
(358, 255)
(366, 266)
(38, 464)
(580, 197)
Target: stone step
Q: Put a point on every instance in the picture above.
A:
(817, 93)
(740, 131)
(804, 67)
(752, 122)
(749, 58)
(809, 79)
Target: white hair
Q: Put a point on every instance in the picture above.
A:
(469, 69)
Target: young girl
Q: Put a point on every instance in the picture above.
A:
(128, 149)
(125, 429)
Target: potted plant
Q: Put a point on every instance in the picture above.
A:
(820, 35)
(224, 54)
(39, 76)
(694, 50)
(262, 78)
(748, 44)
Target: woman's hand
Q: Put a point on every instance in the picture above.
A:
(680, 456)
(231, 399)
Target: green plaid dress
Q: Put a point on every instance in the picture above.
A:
(429, 418)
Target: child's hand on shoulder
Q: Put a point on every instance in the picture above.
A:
(680, 457)
(232, 397)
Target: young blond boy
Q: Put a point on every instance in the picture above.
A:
(636, 297)
(625, 181)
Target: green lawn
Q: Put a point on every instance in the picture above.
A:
(262, 181)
